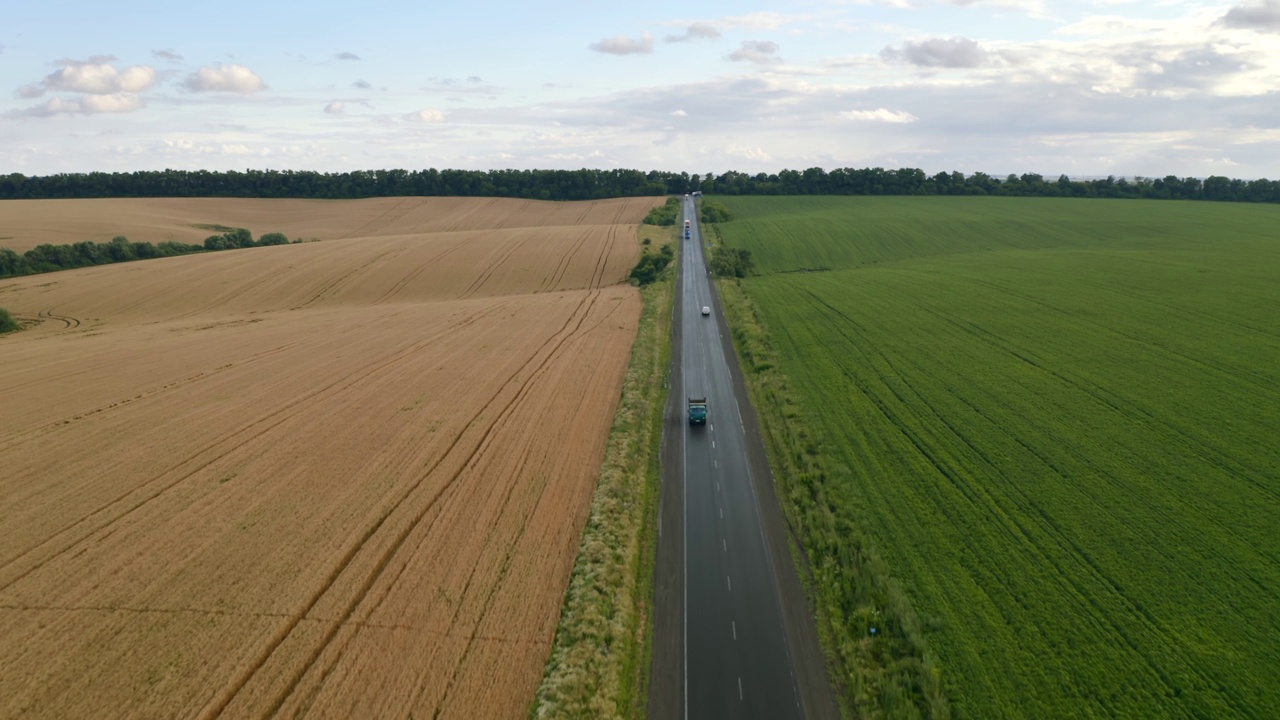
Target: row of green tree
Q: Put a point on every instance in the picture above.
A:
(651, 264)
(710, 211)
(664, 214)
(48, 258)
(586, 184)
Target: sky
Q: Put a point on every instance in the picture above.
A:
(1090, 88)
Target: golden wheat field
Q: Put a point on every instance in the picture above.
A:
(336, 479)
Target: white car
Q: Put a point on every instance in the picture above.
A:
(706, 310)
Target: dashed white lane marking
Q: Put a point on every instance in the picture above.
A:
(725, 544)
(740, 688)
(721, 513)
(713, 444)
(729, 582)
(735, 629)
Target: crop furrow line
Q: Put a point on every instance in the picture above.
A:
(16, 440)
(238, 685)
(1136, 412)
(139, 610)
(331, 289)
(346, 381)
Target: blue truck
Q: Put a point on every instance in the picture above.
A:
(697, 411)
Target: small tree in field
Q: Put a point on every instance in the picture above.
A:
(7, 323)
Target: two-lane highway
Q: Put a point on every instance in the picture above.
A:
(736, 653)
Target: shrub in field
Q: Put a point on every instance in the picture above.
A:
(651, 265)
(714, 212)
(7, 323)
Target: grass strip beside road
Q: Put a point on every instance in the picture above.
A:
(600, 658)
(876, 651)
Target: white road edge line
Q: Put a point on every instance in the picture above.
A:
(684, 519)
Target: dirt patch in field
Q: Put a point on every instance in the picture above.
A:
(343, 479)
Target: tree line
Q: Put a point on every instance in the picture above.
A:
(49, 258)
(589, 184)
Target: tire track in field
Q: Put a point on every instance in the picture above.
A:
(233, 264)
(141, 610)
(1210, 320)
(498, 425)
(505, 565)
(1132, 412)
(493, 267)
(68, 322)
(1261, 381)
(577, 332)
(381, 220)
(552, 346)
(1030, 540)
(566, 260)
(422, 267)
(1230, 531)
(26, 436)
(461, 219)
(614, 228)
(332, 288)
(274, 418)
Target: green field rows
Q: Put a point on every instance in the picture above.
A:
(1059, 423)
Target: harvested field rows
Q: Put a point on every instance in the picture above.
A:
(341, 479)
(28, 223)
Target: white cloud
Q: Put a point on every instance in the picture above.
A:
(346, 56)
(679, 113)
(695, 31)
(425, 116)
(97, 78)
(623, 45)
(1263, 17)
(28, 92)
(224, 78)
(956, 52)
(470, 85)
(362, 84)
(762, 20)
(761, 52)
(167, 54)
(335, 108)
(880, 115)
(83, 105)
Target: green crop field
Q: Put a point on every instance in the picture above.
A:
(1058, 423)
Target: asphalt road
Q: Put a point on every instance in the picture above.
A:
(733, 634)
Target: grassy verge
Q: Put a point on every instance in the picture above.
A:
(872, 637)
(600, 659)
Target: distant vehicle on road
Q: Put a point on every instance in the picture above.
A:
(706, 310)
(698, 411)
